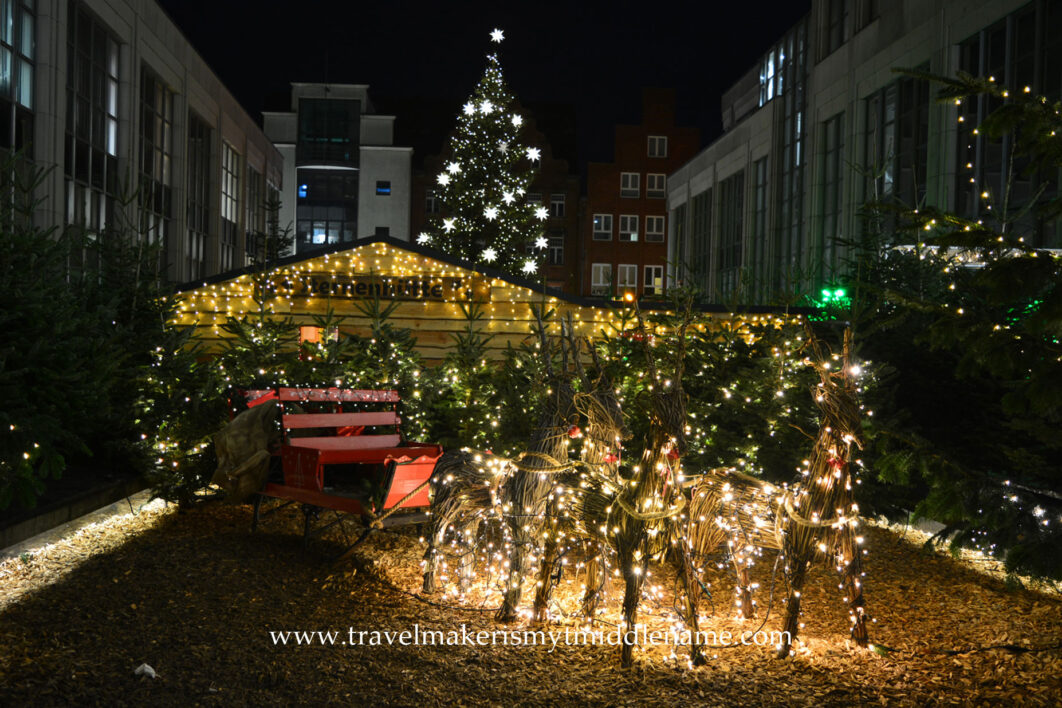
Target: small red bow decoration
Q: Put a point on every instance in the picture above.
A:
(610, 458)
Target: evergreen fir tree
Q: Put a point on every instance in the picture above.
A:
(965, 326)
(486, 218)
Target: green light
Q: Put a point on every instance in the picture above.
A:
(826, 293)
(839, 292)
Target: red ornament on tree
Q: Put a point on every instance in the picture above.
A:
(573, 432)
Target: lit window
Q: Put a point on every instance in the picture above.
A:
(657, 146)
(601, 278)
(628, 228)
(654, 280)
(655, 185)
(630, 184)
(602, 227)
(654, 229)
(383, 188)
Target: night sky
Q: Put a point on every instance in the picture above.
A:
(421, 60)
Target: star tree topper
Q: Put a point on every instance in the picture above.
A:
(497, 36)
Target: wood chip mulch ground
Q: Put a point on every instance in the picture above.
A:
(196, 596)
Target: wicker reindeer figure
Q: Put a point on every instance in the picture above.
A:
(576, 508)
(526, 492)
(465, 487)
(650, 499)
(821, 515)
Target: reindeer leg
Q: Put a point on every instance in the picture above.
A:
(791, 625)
(634, 576)
(852, 573)
(544, 589)
(690, 588)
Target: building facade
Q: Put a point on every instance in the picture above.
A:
(823, 124)
(625, 230)
(134, 132)
(345, 177)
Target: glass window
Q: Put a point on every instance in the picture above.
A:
(836, 25)
(630, 184)
(556, 250)
(758, 241)
(156, 159)
(431, 202)
(198, 204)
(628, 228)
(832, 181)
(230, 205)
(601, 279)
(16, 73)
(654, 229)
(654, 280)
(329, 130)
(254, 221)
(627, 278)
(602, 227)
(731, 229)
(657, 146)
(90, 161)
(700, 237)
(556, 205)
(656, 186)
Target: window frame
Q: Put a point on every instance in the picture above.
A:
(655, 236)
(598, 285)
(652, 193)
(632, 234)
(595, 231)
(557, 206)
(658, 272)
(657, 141)
(630, 185)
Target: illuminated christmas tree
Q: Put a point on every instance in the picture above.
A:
(486, 218)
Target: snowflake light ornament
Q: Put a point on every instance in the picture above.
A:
(489, 255)
(453, 168)
(470, 109)
(448, 225)
(518, 120)
(486, 108)
(503, 147)
(529, 266)
(497, 36)
(533, 154)
(423, 238)
(443, 179)
(541, 213)
(541, 242)
(508, 197)
(491, 213)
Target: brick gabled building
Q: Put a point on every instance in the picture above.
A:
(624, 234)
